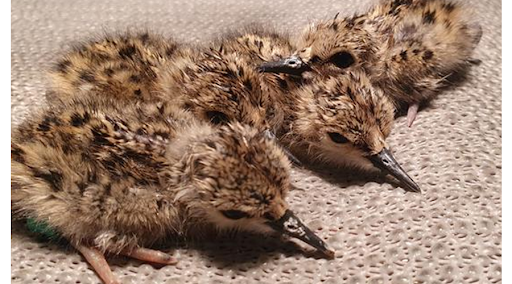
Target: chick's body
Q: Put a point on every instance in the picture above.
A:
(255, 45)
(119, 177)
(216, 87)
(423, 43)
(146, 66)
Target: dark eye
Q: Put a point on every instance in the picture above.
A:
(234, 214)
(217, 117)
(342, 59)
(337, 138)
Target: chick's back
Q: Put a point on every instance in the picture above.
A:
(92, 167)
(126, 65)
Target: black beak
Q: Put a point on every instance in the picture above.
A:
(291, 65)
(385, 161)
(290, 225)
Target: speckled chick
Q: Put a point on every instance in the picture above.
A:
(337, 119)
(409, 48)
(341, 119)
(118, 178)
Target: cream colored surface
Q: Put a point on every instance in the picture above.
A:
(449, 234)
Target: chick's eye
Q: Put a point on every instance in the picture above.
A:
(234, 214)
(342, 59)
(337, 138)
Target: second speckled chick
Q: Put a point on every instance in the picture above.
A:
(118, 178)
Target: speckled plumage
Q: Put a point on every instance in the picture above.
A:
(124, 65)
(222, 83)
(340, 119)
(87, 154)
(116, 177)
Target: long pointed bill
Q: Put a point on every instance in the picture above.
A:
(385, 161)
(292, 226)
(291, 65)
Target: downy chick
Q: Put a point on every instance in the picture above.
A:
(408, 48)
(342, 120)
(118, 178)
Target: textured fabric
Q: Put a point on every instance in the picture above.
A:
(451, 233)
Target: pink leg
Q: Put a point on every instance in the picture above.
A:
(97, 260)
(411, 114)
(150, 255)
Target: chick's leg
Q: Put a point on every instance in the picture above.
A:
(411, 113)
(97, 260)
(150, 255)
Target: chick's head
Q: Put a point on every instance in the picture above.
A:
(329, 47)
(345, 121)
(241, 178)
(343, 115)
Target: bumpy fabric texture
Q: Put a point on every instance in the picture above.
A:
(451, 233)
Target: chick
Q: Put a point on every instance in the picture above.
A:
(117, 178)
(341, 119)
(318, 112)
(123, 65)
(408, 48)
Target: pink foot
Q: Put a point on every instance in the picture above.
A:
(98, 262)
(150, 255)
(411, 114)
